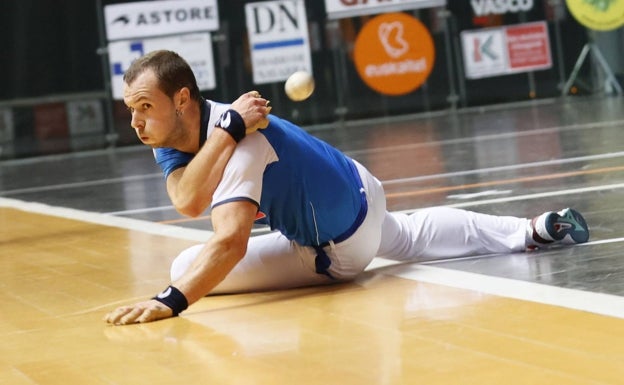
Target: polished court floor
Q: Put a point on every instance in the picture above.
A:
(83, 233)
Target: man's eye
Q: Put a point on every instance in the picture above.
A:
(146, 106)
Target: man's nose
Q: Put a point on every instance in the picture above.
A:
(137, 123)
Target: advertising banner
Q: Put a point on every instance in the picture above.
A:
(86, 123)
(601, 15)
(157, 18)
(394, 53)
(337, 9)
(506, 50)
(278, 39)
(51, 131)
(85, 117)
(195, 48)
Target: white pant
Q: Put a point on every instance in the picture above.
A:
(273, 262)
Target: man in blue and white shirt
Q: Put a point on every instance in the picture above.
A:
(328, 212)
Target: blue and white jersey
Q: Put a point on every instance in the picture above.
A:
(303, 187)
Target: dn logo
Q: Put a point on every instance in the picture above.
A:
(274, 17)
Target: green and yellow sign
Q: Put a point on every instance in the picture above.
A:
(601, 15)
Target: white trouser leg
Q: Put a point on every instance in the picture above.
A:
(272, 262)
(442, 232)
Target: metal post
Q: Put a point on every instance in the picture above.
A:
(452, 97)
(111, 135)
(590, 48)
(559, 42)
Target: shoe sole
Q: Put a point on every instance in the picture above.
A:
(579, 232)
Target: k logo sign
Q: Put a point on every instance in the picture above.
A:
(394, 54)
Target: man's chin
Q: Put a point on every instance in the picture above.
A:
(159, 144)
(152, 144)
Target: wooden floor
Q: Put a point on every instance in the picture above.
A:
(554, 317)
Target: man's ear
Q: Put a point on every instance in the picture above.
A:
(182, 98)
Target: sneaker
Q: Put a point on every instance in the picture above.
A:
(564, 227)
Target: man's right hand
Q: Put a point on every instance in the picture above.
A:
(254, 109)
(146, 311)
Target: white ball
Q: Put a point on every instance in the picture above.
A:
(299, 86)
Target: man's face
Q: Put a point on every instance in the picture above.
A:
(153, 113)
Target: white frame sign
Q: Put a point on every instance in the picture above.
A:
(157, 18)
(278, 39)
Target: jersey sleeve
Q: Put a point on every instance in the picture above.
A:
(242, 177)
(170, 159)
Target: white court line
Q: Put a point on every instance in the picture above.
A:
(141, 211)
(481, 138)
(601, 242)
(518, 166)
(65, 186)
(598, 303)
(581, 190)
(109, 220)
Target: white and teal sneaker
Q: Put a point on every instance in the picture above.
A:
(565, 227)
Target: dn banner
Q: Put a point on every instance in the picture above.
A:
(278, 39)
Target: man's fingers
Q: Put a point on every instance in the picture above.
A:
(261, 123)
(131, 316)
(264, 123)
(124, 315)
(116, 315)
(254, 110)
(145, 316)
(147, 311)
(260, 102)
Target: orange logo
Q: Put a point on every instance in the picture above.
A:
(394, 54)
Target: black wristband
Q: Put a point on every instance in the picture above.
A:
(173, 298)
(233, 123)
